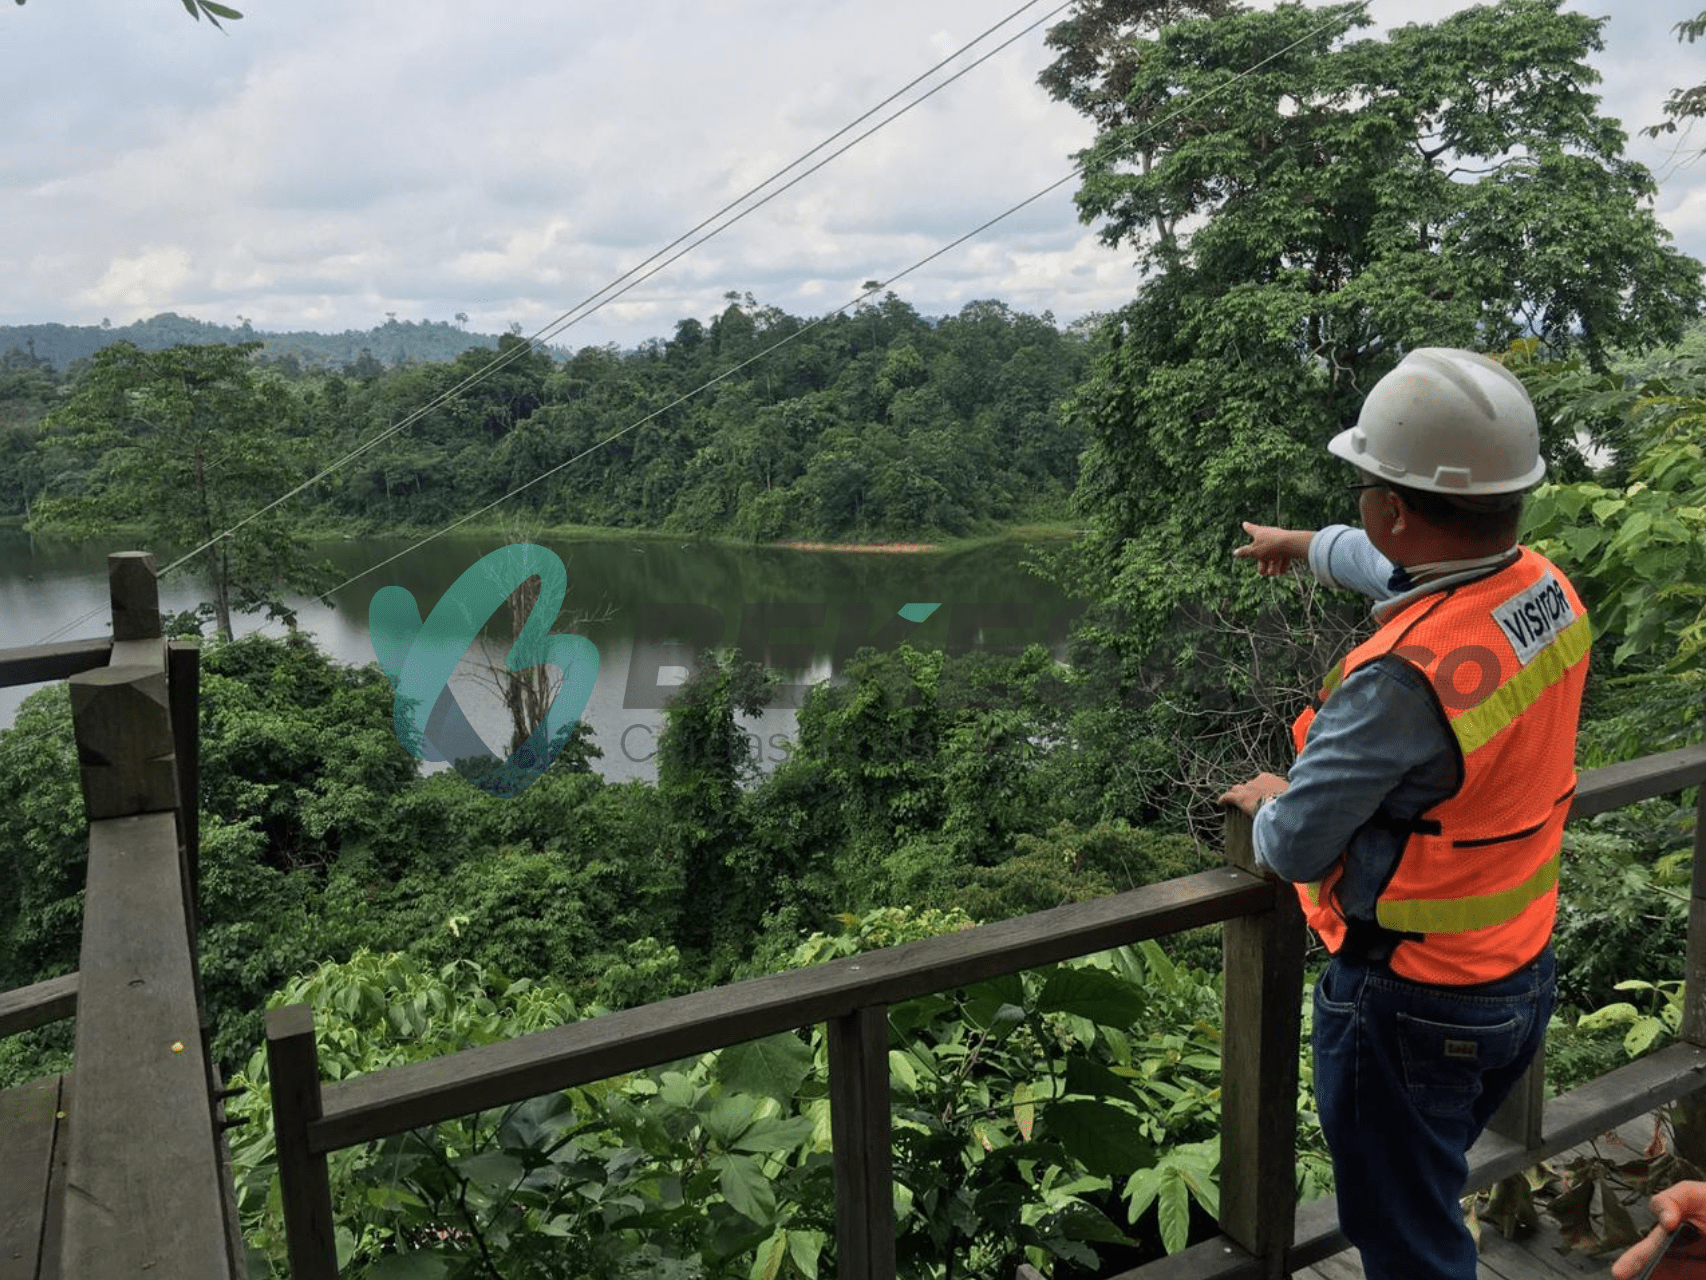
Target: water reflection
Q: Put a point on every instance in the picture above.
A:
(649, 606)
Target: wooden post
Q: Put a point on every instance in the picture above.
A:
(294, 1067)
(134, 588)
(1263, 956)
(859, 1127)
(1519, 1117)
(121, 713)
(1694, 1011)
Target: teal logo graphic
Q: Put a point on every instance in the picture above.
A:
(917, 612)
(419, 657)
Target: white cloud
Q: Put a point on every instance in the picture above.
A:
(323, 163)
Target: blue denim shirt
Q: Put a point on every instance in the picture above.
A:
(1380, 744)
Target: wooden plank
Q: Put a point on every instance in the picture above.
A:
(40, 663)
(1609, 1102)
(183, 671)
(1216, 1259)
(304, 1182)
(142, 1085)
(403, 1098)
(38, 1004)
(27, 1121)
(859, 1131)
(1263, 986)
(1603, 1103)
(1616, 785)
(1340, 1266)
(53, 1223)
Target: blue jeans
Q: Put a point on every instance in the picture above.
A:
(1406, 1077)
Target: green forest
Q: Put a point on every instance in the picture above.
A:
(1298, 227)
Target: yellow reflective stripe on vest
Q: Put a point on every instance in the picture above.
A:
(1480, 725)
(1313, 889)
(1332, 680)
(1458, 915)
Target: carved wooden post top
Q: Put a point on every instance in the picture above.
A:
(134, 587)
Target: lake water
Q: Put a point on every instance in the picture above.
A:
(647, 605)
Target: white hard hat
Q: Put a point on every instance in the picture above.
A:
(1448, 421)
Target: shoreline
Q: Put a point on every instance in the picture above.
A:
(861, 548)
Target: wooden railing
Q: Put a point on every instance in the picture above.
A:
(136, 1180)
(144, 1146)
(1264, 1232)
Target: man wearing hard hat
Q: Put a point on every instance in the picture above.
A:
(1422, 816)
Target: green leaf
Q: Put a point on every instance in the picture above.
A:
(1080, 1221)
(410, 1266)
(1095, 994)
(729, 1117)
(1104, 1139)
(772, 1067)
(1642, 1036)
(776, 1135)
(1024, 1107)
(1086, 1075)
(220, 10)
(901, 1071)
(806, 1247)
(767, 1262)
(1612, 1015)
(746, 1188)
(344, 1240)
(491, 1170)
(1173, 1209)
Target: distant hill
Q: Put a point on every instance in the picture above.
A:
(394, 342)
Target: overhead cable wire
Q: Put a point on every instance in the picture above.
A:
(596, 301)
(1075, 172)
(638, 274)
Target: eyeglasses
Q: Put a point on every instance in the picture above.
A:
(1357, 488)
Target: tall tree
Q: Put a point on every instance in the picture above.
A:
(185, 443)
(1685, 104)
(1308, 205)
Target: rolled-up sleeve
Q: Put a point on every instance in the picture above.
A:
(1380, 729)
(1340, 556)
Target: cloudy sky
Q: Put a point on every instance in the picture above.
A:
(322, 164)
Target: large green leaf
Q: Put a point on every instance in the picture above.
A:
(410, 1266)
(1095, 994)
(1173, 1208)
(746, 1188)
(772, 1067)
(729, 1117)
(1103, 1138)
(776, 1135)
(1086, 1075)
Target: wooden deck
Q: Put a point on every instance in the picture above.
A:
(1542, 1255)
(32, 1177)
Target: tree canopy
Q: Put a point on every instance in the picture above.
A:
(1307, 205)
(184, 443)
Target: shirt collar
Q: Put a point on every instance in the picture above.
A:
(1410, 582)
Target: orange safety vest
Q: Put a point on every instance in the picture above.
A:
(1475, 889)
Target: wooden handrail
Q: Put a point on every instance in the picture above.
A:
(1601, 790)
(37, 664)
(398, 1099)
(38, 1004)
(1266, 1234)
